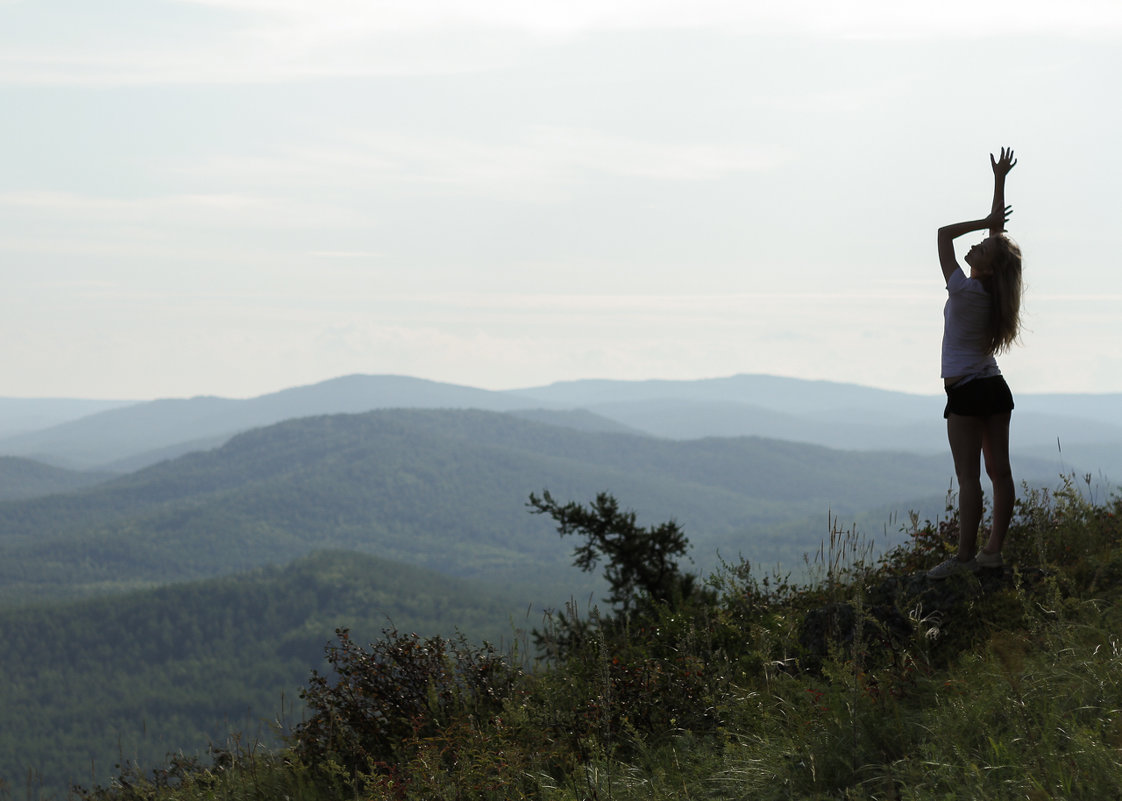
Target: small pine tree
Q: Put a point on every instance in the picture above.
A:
(641, 564)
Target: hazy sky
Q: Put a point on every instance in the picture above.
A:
(235, 196)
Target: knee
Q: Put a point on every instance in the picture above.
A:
(969, 478)
(1000, 473)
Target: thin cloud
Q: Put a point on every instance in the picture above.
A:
(262, 41)
(608, 306)
(346, 255)
(536, 166)
(874, 17)
(220, 210)
(1079, 297)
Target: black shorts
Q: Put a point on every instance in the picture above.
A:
(979, 398)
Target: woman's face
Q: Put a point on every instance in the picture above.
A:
(981, 256)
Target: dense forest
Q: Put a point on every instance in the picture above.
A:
(182, 666)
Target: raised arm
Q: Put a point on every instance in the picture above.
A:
(995, 222)
(1001, 168)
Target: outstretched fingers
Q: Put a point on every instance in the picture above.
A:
(1003, 165)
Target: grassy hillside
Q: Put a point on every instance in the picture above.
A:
(180, 667)
(439, 489)
(869, 683)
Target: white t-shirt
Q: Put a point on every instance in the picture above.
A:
(965, 335)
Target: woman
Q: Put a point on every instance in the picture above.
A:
(981, 319)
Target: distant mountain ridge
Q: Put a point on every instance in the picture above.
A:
(22, 415)
(794, 395)
(832, 414)
(159, 426)
(845, 416)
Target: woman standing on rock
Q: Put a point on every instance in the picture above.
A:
(981, 319)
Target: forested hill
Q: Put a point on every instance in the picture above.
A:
(444, 490)
(141, 675)
(27, 478)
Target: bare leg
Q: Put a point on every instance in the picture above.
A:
(966, 435)
(995, 446)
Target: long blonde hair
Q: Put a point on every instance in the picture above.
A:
(1003, 281)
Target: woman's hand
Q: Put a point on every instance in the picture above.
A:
(997, 219)
(1003, 165)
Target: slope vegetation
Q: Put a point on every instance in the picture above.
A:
(870, 682)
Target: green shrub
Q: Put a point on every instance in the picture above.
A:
(378, 704)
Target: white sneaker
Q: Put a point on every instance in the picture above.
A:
(990, 561)
(952, 567)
